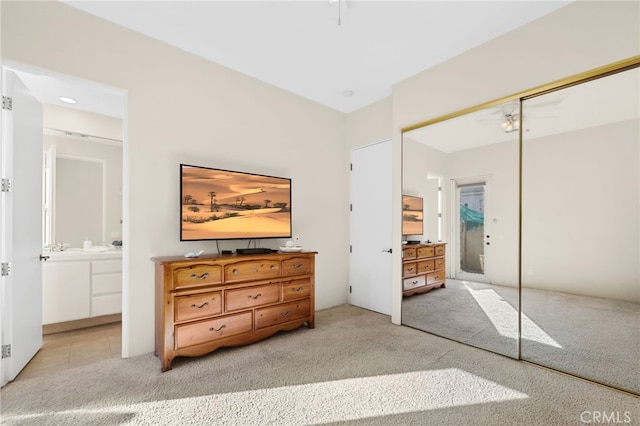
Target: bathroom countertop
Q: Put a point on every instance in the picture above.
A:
(93, 253)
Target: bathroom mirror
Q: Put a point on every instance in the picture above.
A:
(580, 234)
(466, 170)
(538, 200)
(79, 192)
(82, 189)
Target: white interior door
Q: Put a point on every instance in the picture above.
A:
(371, 207)
(21, 226)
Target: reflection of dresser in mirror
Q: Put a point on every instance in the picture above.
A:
(423, 268)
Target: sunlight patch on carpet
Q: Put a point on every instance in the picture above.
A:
(504, 318)
(313, 403)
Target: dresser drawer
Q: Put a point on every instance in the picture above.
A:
(251, 270)
(198, 274)
(206, 331)
(439, 263)
(425, 252)
(296, 266)
(409, 268)
(296, 289)
(279, 314)
(243, 298)
(409, 253)
(439, 250)
(435, 277)
(409, 283)
(198, 306)
(426, 266)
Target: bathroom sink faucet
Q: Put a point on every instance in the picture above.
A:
(58, 246)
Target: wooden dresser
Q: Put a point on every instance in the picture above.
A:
(423, 267)
(209, 302)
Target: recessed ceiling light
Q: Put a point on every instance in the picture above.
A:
(348, 93)
(68, 100)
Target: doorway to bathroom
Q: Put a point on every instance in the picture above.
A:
(70, 140)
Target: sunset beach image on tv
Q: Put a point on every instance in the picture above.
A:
(412, 215)
(221, 204)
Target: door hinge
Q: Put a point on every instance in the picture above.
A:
(349, 289)
(350, 207)
(6, 269)
(7, 103)
(350, 249)
(6, 185)
(6, 351)
(351, 166)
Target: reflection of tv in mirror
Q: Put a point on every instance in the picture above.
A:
(412, 215)
(221, 204)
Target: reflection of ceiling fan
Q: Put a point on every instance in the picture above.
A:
(508, 115)
(511, 117)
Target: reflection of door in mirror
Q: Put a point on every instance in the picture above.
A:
(471, 230)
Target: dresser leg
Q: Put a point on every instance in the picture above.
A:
(166, 364)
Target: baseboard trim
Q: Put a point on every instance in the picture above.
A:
(78, 324)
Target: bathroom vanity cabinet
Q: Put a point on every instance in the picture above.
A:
(77, 286)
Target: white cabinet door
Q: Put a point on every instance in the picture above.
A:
(66, 290)
(106, 287)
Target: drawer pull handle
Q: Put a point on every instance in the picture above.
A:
(414, 282)
(254, 297)
(286, 314)
(200, 277)
(217, 329)
(297, 266)
(296, 289)
(201, 306)
(235, 272)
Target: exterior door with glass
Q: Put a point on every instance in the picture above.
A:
(471, 233)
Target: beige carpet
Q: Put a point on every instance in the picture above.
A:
(594, 338)
(355, 367)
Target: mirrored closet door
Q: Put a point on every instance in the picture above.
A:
(580, 230)
(536, 197)
(465, 169)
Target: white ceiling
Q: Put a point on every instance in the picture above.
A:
(300, 46)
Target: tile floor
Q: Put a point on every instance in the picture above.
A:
(69, 349)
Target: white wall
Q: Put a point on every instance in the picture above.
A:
(580, 221)
(181, 108)
(581, 36)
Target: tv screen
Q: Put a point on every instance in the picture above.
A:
(412, 215)
(220, 204)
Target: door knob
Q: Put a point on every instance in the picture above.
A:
(45, 258)
(388, 251)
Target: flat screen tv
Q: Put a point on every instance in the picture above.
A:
(412, 215)
(218, 204)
